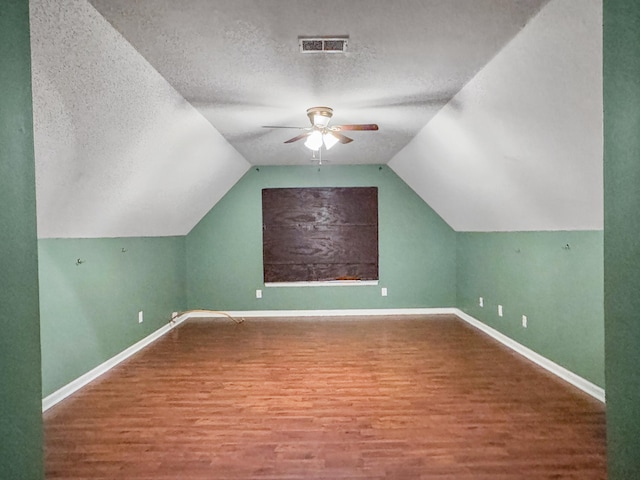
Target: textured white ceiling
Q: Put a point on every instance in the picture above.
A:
(238, 62)
(520, 146)
(140, 129)
(118, 151)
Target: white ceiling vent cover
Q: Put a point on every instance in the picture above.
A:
(323, 45)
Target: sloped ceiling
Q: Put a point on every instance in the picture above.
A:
(147, 112)
(520, 146)
(118, 151)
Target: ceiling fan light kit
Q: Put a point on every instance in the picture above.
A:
(329, 140)
(314, 140)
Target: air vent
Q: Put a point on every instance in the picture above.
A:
(323, 45)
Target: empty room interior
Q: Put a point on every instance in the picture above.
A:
(348, 239)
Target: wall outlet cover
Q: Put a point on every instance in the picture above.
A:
(481, 301)
(499, 310)
(140, 317)
(383, 291)
(258, 293)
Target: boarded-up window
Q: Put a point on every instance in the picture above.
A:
(319, 234)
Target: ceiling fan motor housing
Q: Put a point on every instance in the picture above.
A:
(319, 116)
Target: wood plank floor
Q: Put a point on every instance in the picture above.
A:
(393, 398)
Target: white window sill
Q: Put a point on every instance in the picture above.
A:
(328, 283)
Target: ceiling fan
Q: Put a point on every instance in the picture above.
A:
(320, 133)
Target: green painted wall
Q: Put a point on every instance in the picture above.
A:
(622, 234)
(559, 289)
(89, 312)
(20, 408)
(416, 247)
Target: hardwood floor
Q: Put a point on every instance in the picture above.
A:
(393, 398)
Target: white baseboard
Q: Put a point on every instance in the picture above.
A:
(322, 313)
(577, 381)
(563, 373)
(72, 387)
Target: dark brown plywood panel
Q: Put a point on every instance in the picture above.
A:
(320, 272)
(315, 234)
(320, 206)
(319, 244)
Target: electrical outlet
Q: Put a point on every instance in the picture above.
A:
(499, 310)
(383, 291)
(524, 321)
(258, 293)
(481, 302)
(140, 317)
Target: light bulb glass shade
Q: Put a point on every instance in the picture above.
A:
(314, 141)
(321, 120)
(329, 140)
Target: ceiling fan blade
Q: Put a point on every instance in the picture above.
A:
(363, 126)
(282, 126)
(342, 138)
(299, 137)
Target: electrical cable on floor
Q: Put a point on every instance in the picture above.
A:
(214, 312)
